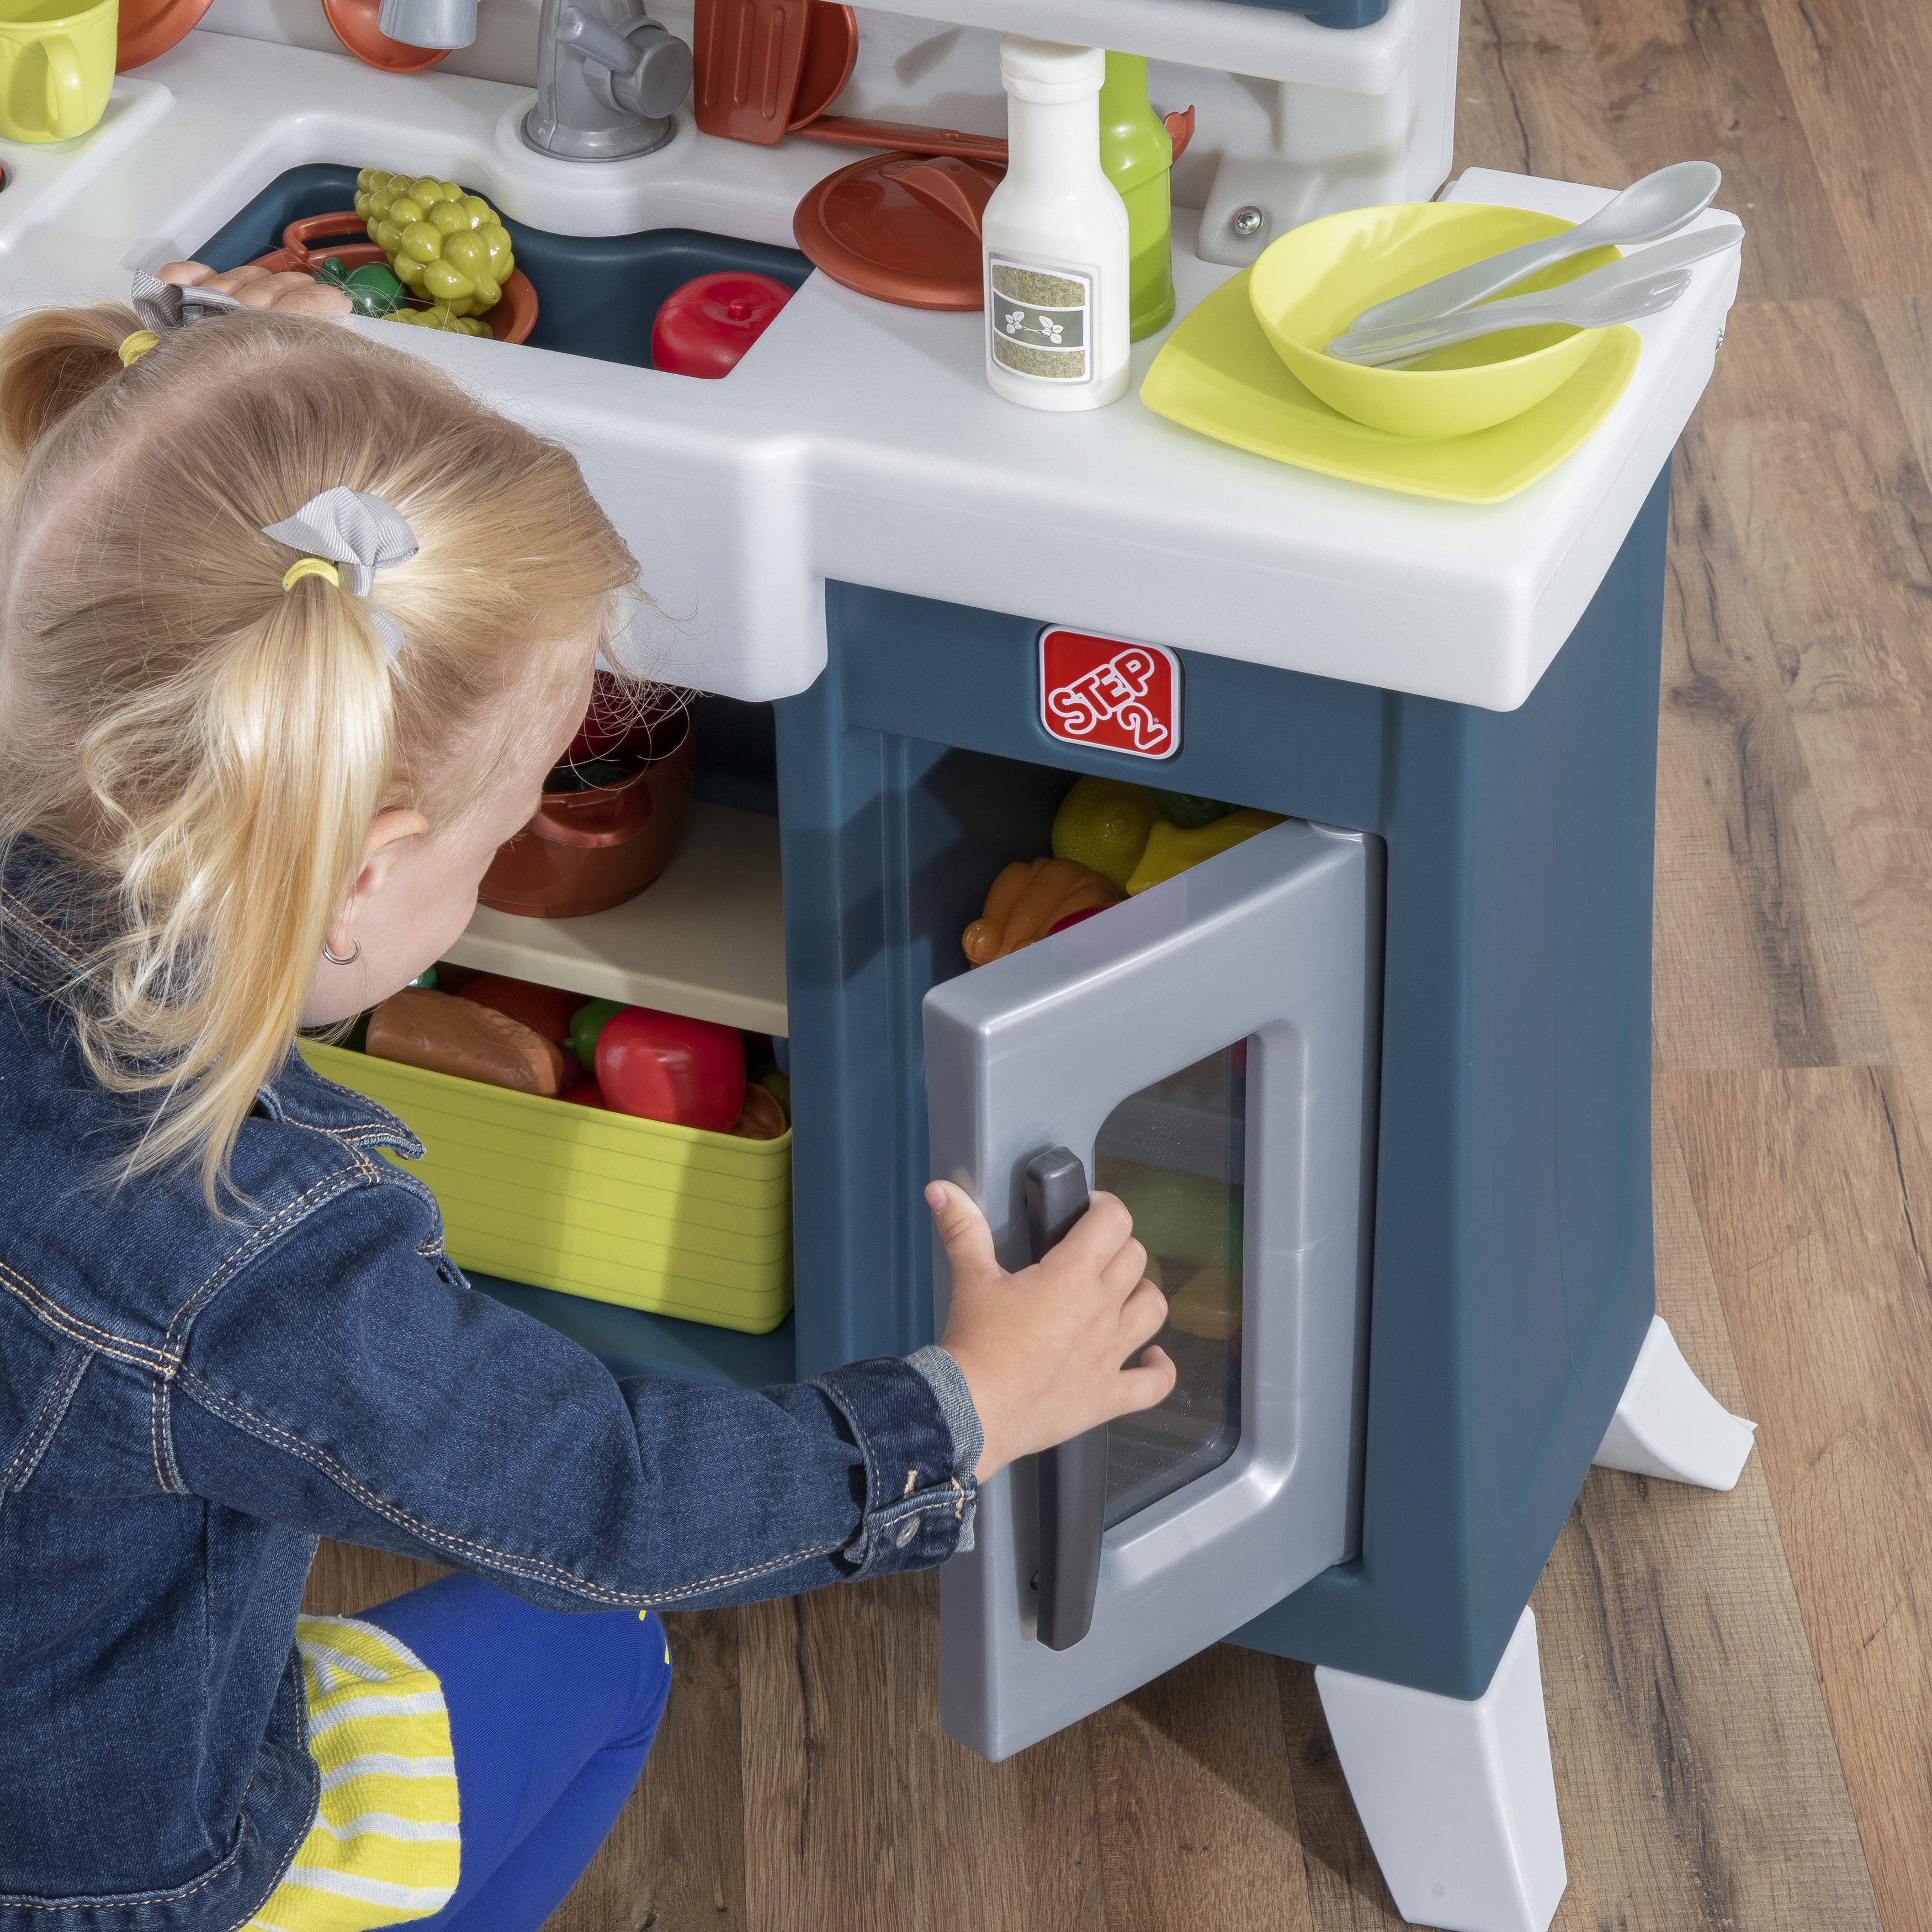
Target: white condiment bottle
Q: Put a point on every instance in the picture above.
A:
(1055, 231)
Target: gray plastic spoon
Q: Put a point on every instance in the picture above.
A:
(1646, 211)
(1599, 311)
(1594, 301)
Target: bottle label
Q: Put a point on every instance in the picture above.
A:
(1038, 318)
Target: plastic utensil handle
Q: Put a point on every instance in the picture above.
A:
(1608, 306)
(67, 97)
(1072, 1478)
(1680, 252)
(1449, 294)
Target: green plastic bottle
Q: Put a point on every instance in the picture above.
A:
(1136, 153)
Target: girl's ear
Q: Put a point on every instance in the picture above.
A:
(383, 847)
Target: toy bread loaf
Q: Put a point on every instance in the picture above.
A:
(1028, 900)
(449, 1035)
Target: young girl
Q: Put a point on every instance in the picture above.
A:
(290, 631)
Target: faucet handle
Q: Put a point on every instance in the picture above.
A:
(643, 70)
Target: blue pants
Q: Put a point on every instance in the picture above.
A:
(551, 1716)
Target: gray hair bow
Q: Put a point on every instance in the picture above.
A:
(358, 532)
(164, 307)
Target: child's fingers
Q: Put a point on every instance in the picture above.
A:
(1143, 1314)
(1099, 1234)
(237, 282)
(1127, 1268)
(1153, 1381)
(969, 1241)
(313, 299)
(185, 274)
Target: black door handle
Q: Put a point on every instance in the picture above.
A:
(1072, 1478)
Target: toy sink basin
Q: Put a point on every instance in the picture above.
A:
(1308, 287)
(596, 296)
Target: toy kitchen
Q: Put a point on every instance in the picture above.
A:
(1229, 781)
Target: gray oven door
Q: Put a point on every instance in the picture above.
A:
(1208, 1050)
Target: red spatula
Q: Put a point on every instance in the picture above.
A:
(748, 55)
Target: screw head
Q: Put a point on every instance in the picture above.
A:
(1249, 221)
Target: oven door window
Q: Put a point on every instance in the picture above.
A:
(1175, 1153)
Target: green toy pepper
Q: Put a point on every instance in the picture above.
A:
(586, 1024)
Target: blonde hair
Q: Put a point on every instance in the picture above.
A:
(199, 754)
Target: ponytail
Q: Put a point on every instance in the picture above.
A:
(54, 361)
(201, 752)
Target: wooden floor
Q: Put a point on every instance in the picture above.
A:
(1740, 1688)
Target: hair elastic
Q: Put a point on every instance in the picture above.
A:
(310, 566)
(349, 535)
(133, 347)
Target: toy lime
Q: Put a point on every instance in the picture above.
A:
(1187, 809)
(586, 1024)
(442, 244)
(1104, 823)
(1170, 850)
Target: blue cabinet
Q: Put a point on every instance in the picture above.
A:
(1512, 1278)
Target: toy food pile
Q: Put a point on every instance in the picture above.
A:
(592, 1053)
(1111, 839)
(441, 243)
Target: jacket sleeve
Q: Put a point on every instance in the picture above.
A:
(349, 1383)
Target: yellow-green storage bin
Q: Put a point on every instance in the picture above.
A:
(671, 1219)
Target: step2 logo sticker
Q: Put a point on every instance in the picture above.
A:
(1106, 691)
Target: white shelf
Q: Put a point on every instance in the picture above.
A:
(706, 939)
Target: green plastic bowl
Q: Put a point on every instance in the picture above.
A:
(1308, 287)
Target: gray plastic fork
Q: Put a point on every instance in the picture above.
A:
(1651, 279)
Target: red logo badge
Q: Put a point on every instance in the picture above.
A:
(1105, 691)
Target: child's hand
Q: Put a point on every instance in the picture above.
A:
(1042, 1350)
(292, 293)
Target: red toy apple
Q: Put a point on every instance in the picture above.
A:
(664, 1067)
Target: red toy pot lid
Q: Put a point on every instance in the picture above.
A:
(903, 227)
(703, 328)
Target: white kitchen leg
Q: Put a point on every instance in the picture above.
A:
(1669, 1424)
(1458, 1798)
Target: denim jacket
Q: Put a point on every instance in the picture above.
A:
(187, 1403)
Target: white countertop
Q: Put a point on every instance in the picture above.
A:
(858, 440)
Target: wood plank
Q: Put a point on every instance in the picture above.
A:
(1903, 330)
(1197, 1804)
(1704, 80)
(1859, 76)
(1813, 1186)
(1828, 496)
(345, 1579)
(1528, 98)
(979, 1847)
(1697, 1772)
(1757, 957)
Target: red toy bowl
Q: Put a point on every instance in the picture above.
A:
(704, 327)
(587, 851)
(306, 244)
